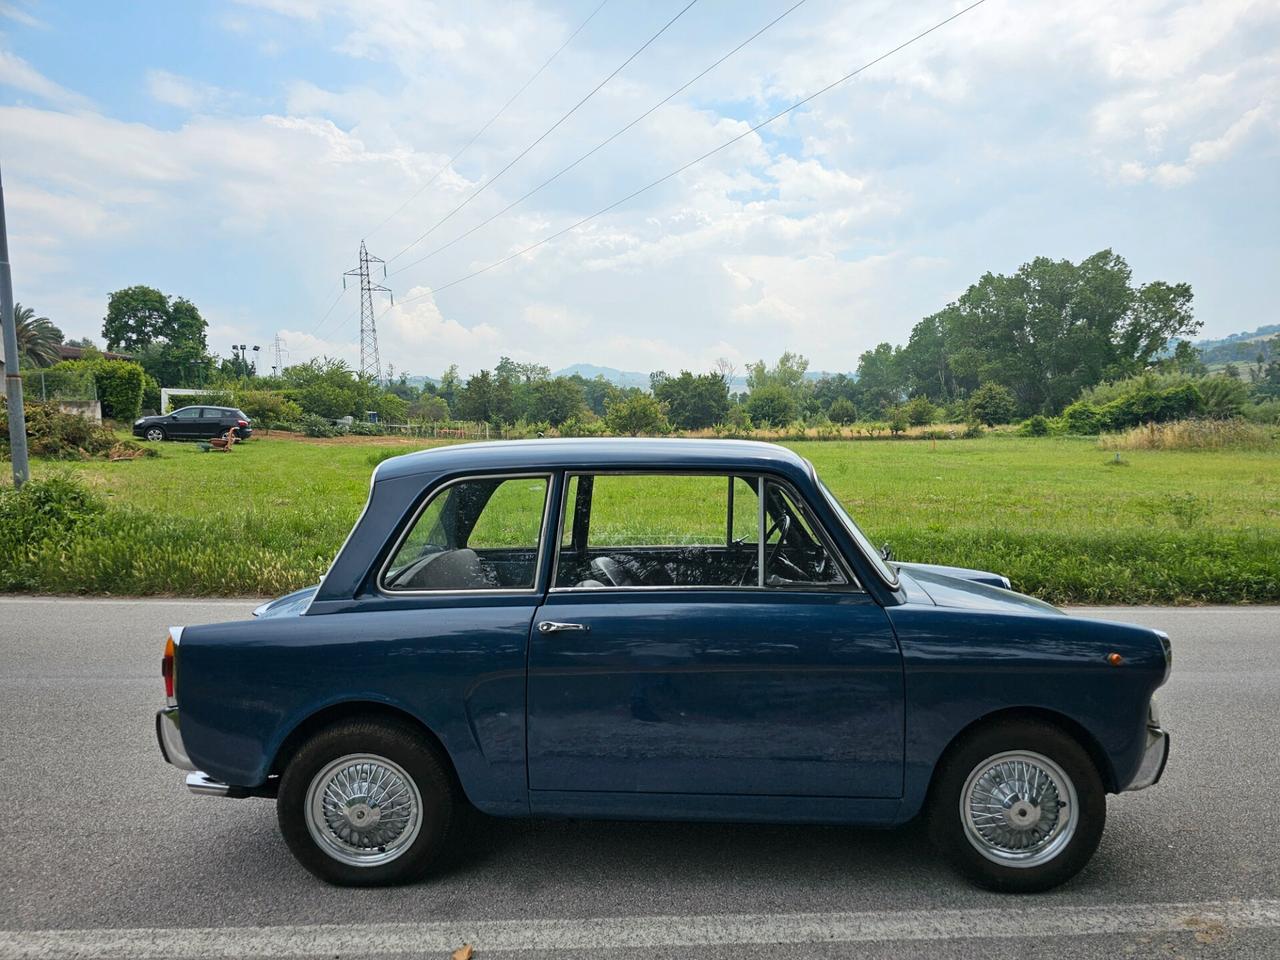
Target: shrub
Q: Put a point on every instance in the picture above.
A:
(842, 411)
(973, 430)
(638, 414)
(772, 405)
(1224, 397)
(313, 426)
(44, 509)
(898, 422)
(120, 384)
(583, 425)
(1037, 426)
(55, 435)
(268, 407)
(361, 428)
(920, 412)
(1267, 412)
(992, 403)
(1082, 417)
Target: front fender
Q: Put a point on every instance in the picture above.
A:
(962, 666)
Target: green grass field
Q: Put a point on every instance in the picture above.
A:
(1057, 515)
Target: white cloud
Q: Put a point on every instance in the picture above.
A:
(17, 73)
(177, 91)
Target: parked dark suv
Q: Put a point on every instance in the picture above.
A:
(194, 423)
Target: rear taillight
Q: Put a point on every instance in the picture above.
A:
(242, 423)
(166, 668)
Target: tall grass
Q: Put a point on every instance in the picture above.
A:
(1234, 434)
(1176, 525)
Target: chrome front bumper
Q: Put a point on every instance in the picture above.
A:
(169, 734)
(1154, 757)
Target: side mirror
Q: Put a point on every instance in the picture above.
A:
(886, 553)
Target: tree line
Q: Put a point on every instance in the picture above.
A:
(1034, 343)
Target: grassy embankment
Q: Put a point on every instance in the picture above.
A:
(1058, 515)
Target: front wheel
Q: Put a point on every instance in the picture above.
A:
(1018, 806)
(366, 804)
(154, 434)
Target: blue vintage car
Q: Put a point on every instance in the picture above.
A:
(656, 629)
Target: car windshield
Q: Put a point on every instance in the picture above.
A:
(889, 575)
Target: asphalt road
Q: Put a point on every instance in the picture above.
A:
(104, 854)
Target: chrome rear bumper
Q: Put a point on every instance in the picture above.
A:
(169, 735)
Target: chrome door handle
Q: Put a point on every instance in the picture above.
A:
(553, 626)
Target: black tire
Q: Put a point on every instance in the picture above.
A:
(157, 430)
(947, 825)
(439, 811)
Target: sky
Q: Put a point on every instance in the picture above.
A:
(237, 153)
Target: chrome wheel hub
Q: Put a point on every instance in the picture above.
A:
(363, 810)
(1019, 809)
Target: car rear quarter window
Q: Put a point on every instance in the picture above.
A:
(481, 533)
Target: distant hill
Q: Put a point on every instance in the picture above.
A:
(1242, 347)
(621, 378)
(631, 378)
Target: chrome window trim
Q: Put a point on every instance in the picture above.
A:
(852, 584)
(829, 494)
(434, 492)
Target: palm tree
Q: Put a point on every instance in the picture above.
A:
(38, 338)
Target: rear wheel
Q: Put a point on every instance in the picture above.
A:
(154, 434)
(367, 803)
(1018, 806)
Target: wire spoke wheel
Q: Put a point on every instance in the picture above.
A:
(1019, 808)
(363, 810)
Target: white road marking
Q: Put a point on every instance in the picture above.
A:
(516, 936)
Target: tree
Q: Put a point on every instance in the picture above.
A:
(637, 414)
(787, 373)
(555, 401)
(38, 338)
(842, 411)
(920, 412)
(169, 337)
(880, 381)
(993, 403)
(695, 401)
(450, 385)
(476, 399)
(430, 408)
(136, 316)
(772, 405)
(1051, 329)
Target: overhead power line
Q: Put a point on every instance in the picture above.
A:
(487, 124)
(602, 144)
(551, 129)
(679, 170)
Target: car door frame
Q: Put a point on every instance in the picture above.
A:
(718, 805)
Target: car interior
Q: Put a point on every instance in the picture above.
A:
(443, 551)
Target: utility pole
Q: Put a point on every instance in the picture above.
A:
(370, 365)
(12, 381)
(279, 351)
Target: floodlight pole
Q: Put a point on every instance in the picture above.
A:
(12, 381)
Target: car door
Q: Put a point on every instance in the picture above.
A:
(728, 683)
(184, 423)
(213, 422)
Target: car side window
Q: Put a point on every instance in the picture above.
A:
(187, 413)
(474, 534)
(796, 554)
(655, 530)
(210, 413)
